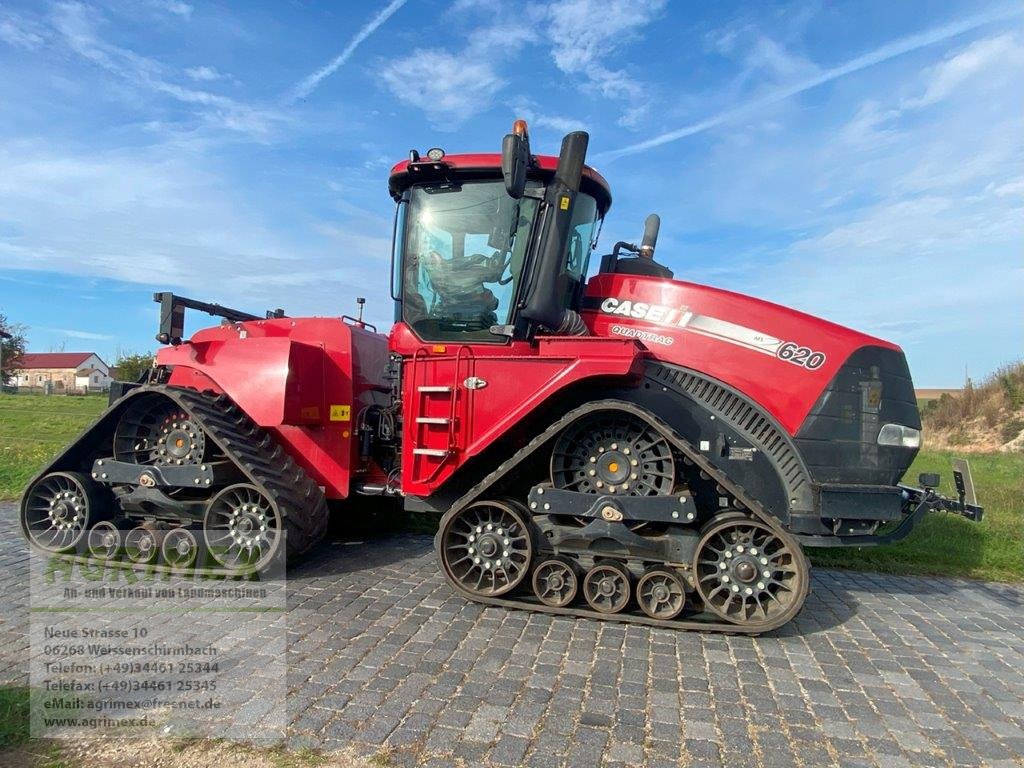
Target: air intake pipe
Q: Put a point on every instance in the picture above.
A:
(544, 300)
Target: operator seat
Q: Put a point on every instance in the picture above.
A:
(459, 284)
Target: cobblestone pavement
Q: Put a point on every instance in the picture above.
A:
(876, 670)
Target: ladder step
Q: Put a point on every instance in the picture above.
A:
(430, 452)
(431, 389)
(433, 420)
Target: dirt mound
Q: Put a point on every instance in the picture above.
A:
(988, 416)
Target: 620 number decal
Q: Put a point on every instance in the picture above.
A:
(792, 352)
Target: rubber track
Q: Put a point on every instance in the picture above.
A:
(301, 503)
(713, 624)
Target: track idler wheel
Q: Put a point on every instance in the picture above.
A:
(57, 511)
(242, 528)
(141, 545)
(749, 573)
(180, 548)
(555, 582)
(607, 587)
(486, 548)
(104, 540)
(660, 593)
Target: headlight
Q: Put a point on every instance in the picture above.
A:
(897, 434)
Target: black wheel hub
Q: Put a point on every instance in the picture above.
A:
(747, 573)
(486, 548)
(241, 527)
(180, 548)
(606, 588)
(660, 594)
(104, 540)
(613, 453)
(555, 582)
(154, 430)
(140, 544)
(57, 510)
(248, 525)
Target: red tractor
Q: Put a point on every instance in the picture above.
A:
(628, 446)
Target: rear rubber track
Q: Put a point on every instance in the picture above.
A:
(300, 501)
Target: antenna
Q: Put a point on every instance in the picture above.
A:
(360, 301)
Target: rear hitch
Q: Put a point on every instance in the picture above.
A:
(966, 503)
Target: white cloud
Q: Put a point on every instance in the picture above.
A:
(175, 7)
(527, 109)
(77, 334)
(584, 34)
(884, 53)
(19, 31)
(78, 26)
(1015, 187)
(1003, 53)
(309, 84)
(204, 73)
(871, 126)
(162, 218)
(448, 88)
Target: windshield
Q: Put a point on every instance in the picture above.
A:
(463, 258)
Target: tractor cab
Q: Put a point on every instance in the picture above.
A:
(491, 247)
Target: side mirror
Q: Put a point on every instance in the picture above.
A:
(515, 157)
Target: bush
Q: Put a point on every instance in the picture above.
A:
(997, 398)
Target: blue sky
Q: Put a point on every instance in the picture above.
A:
(861, 161)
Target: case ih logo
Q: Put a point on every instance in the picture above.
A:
(652, 313)
(712, 327)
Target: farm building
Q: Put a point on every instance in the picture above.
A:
(61, 372)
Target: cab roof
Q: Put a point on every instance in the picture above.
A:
(482, 165)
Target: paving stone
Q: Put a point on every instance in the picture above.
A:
(876, 670)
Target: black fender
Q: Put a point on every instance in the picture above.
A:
(737, 437)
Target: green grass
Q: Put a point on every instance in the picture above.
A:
(949, 545)
(14, 715)
(34, 428)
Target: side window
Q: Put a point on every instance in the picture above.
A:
(581, 240)
(397, 240)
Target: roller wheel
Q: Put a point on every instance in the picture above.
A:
(140, 544)
(179, 548)
(485, 549)
(606, 587)
(661, 594)
(242, 528)
(104, 540)
(750, 574)
(57, 511)
(555, 582)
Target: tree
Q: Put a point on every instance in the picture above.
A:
(131, 366)
(12, 347)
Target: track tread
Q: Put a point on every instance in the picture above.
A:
(302, 504)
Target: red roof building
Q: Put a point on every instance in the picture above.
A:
(31, 360)
(62, 372)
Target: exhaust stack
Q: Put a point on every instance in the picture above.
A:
(651, 226)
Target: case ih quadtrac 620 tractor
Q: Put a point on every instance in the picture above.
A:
(628, 446)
